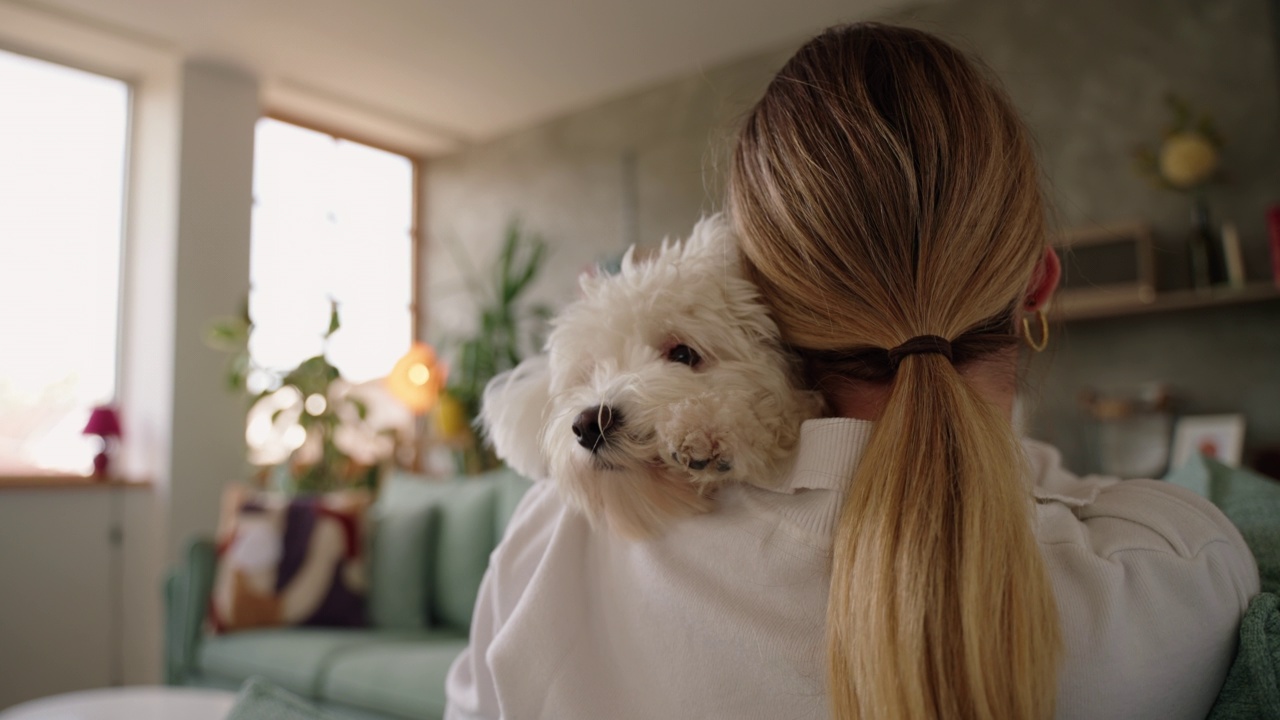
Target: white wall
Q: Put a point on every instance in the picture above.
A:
(219, 111)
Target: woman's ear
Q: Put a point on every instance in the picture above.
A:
(1043, 282)
(514, 413)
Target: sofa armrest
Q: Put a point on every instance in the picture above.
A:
(186, 592)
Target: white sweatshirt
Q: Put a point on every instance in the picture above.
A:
(723, 616)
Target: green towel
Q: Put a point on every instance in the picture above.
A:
(1251, 501)
(260, 700)
(1252, 690)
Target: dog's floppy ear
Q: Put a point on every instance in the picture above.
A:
(513, 413)
(713, 239)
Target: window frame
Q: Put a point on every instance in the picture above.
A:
(417, 240)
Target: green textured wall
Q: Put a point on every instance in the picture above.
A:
(1088, 76)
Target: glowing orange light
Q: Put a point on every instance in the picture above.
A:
(417, 378)
(419, 374)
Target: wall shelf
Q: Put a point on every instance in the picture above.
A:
(1176, 300)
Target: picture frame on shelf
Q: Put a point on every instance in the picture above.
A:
(1106, 267)
(1220, 437)
(1233, 257)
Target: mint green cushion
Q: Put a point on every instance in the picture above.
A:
(431, 545)
(187, 603)
(464, 539)
(260, 700)
(405, 519)
(404, 679)
(294, 658)
(1194, 475)
(511, 487)
(1251, 501)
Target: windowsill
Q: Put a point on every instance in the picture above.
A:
(65, 482)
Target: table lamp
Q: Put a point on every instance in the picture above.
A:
(105, 423)
(416, 381)
(417, 378)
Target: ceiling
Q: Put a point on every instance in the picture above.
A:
(446, 73)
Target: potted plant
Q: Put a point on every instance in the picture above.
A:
(506, 326)
(307, 427)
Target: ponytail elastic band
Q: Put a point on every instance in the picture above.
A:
(920, 345)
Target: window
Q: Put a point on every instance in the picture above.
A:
(63, 139)
(333, 220)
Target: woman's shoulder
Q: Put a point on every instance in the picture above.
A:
(1112, 516)
(1144, 571)
(532, 524)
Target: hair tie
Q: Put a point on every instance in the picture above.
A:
(920, 345)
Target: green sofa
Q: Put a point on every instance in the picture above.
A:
(429, 547)
(1252, 502)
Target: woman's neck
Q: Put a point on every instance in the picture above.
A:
(994, 378)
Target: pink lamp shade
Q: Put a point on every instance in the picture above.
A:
(103, 422)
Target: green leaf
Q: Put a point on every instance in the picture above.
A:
(238, 368)
(507, 256)
(532, 265)
(314, 375)
(334, 324)
(227, 335)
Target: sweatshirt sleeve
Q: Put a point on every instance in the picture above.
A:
(1151, 582)
(469, 687)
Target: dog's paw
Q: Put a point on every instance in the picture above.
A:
(702, 451)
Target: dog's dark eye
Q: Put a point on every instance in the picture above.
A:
(684, 355)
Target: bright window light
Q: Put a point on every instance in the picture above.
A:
(332, 219)
(63, 138)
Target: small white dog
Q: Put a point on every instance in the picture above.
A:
(659, 383)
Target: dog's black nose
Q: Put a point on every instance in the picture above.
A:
(593, 424)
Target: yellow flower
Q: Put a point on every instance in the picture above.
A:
(451, 417)
(1187, 159)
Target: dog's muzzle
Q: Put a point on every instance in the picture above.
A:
(592, 426)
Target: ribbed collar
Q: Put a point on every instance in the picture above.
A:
(830, 449)
(828, 454)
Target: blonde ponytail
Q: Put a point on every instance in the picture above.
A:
(884, 189)
(939, 603)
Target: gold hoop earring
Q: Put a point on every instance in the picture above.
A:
(1044, 332)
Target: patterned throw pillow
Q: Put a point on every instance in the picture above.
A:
(289, 560)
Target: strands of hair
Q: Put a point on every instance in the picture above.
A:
(884, 188)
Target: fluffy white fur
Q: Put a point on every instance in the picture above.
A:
(681, 430)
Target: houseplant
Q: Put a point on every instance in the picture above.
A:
(507, 327)
(305, 427)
